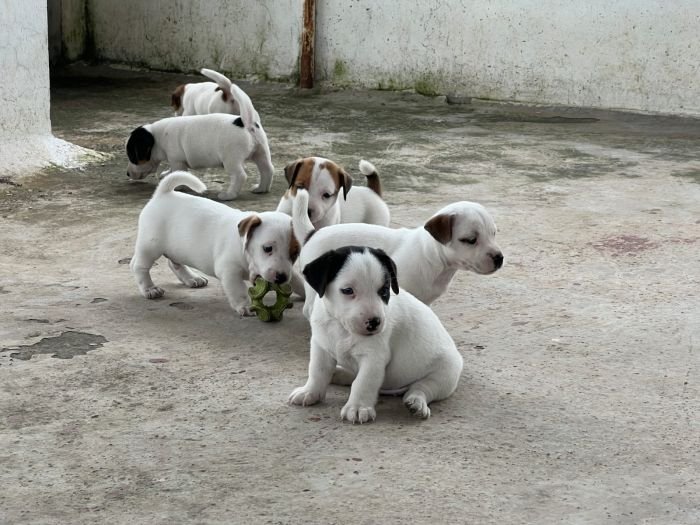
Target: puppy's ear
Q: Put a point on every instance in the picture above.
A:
(139, 145)
(345, 182)
(389, 265)
(319, 272)
(292, 170)
(440, 227)
(247, 226)
(294, 247)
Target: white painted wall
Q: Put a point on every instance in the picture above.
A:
(639, 55)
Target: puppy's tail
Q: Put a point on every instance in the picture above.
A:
(369, 171)
(250, 117)
(303, 228)
(223, 81)
(179, 178)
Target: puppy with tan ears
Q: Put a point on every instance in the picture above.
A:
(461, 236)
(383, 343)
(205, 141)
(324, 180)
(202, 98)
(193, 232)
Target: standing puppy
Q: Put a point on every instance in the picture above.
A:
(386, 343)
(324, 180)
(205, 141)
(202, 98)
(232, 245)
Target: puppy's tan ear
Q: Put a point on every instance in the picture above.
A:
(440, 227)
(345, 182)
(294, 247)
(292, 170)
(247, 226)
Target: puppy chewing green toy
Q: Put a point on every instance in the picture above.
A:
(273, 312)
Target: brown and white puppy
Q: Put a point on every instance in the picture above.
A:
(380, 342)
(192, 232)
(324, 180)
(205, 141)
(461, 236)
(202, 98)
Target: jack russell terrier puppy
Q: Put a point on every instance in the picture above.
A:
(383, 343)
(202, 98)
(323, 180)
(461, 236)
(232, 245)
(205, 141)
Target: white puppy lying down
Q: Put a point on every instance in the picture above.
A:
(205, 141)
(233, 246)
(323, 179)
(460, 236)
(392, 344)
(202, 98)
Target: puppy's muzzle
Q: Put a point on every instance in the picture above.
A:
(281, 278)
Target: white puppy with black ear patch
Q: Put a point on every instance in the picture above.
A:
(193, 232)
(461, 236)
(387, 343)
(324, 180)
(202, 98)
(205, 141)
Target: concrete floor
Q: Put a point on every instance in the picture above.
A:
(579, 397)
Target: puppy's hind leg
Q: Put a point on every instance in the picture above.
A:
(343, 376)
(187, 276)
(238, 177)
(438, 384)
(263, 161)
(140, 266)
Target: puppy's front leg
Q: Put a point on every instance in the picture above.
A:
(364, 390)
(235, 290)
(321, 368)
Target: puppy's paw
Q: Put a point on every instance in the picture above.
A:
(226, 196)
(245, 311)
(197, 282)
(154, 292)
(302, 396)
(416, 405)
(259, 189)
(358, 414)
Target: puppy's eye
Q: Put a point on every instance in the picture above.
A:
(326, 195)
(347, 291)
(384, 292)
(267, 249)
(468, 240)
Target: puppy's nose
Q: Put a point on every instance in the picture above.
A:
(497, 260)
(373, 323)
(280, 278)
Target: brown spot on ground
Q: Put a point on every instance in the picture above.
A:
(618, 245)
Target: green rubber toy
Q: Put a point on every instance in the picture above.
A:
(274, 312)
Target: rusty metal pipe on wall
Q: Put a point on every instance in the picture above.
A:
(306, 70)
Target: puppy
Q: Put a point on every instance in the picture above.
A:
(324, 180)
(460, 236)
(202, 98)
(233, 246)
(385, 343)
(205, 141)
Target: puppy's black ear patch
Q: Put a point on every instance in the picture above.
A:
(292, 170)
(389, 265)
(321, 271)
(440, 227)
(139, 145)
(238, 122)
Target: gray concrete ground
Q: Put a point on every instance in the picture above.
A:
(579, 397)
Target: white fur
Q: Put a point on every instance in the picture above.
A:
(412, 352)
(203, 98)
(211, 141)
(360, 205)
(425, 267)
(194, 232)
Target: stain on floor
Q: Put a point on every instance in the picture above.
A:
(64, 346)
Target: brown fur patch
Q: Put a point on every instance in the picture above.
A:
(298, 174)
(176, 97)
(440, 227)
(224, 95)
(247, 226)
(294, 248)
(374, 184)
(340, 177)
